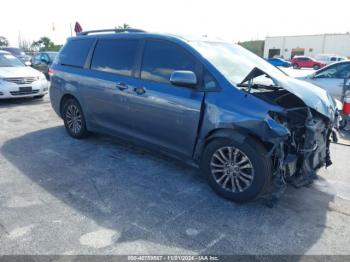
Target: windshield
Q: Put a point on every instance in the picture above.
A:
(15, 51)
(7, 60)
(233, 61)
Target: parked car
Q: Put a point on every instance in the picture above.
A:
(42, 61)
(17, 52)
(331, 78)
(200, 101)
(308, 62)
(18, 80)
(279, 62)
(330, 59)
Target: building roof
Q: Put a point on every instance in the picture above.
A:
(326, 34)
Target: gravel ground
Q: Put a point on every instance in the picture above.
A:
(104, 196)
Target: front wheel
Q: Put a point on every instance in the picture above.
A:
(295, 66)
(239, 172)
(74, 120)
(316, 67)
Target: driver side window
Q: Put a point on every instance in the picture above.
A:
(336, 71)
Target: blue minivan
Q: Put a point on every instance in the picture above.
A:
(249, 127)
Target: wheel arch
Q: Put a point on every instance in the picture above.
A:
(64, 99)
(239, 135)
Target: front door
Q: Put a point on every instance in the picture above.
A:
(165, 115)
(332, 78)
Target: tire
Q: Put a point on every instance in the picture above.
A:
(73, 119)
(316, 67)
(295, 66)
(39, 97)
(259, 174)
(342, 124)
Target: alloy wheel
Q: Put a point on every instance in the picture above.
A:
(74, 118)
(232, 169)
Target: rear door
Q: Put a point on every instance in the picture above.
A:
(332, 78)
(165, 115)
(110, 81)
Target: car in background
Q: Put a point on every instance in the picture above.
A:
(198, 100)
(42, 61)
(331, 78)
(18, 80)
(279, 62)
(330, 59)
(305, 61)
(17, 52)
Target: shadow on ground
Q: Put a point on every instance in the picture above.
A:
(153, 199)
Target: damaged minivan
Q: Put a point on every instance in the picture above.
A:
(247, 126)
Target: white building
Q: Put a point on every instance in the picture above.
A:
(308, 45)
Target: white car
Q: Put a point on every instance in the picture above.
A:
(330, 59)
(18, 80)
(331, 78)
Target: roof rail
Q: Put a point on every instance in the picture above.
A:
(115, 30)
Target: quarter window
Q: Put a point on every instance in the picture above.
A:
(161, 59)
(115, 56)
(74, 53)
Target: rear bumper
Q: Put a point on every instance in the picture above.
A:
(12, 90)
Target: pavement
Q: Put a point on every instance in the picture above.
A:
(104, 196)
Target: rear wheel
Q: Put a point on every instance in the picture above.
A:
(295, 66)
(238, 172)
(74, 120)
(316, 67)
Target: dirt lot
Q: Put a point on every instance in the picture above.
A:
(104, 196)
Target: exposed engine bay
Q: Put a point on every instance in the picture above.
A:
(296, 158)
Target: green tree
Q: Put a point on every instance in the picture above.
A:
(123, 26)
(255, 46)
(3, 41)
(45, 44)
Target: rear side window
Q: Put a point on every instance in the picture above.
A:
(74, 53)
(160, 59)
(115, 56)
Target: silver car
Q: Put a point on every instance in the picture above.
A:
(331, 78)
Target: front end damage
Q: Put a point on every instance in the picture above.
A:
(309, 119)
(297, 157)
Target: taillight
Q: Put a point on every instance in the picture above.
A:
(51, 71)
(346, 106)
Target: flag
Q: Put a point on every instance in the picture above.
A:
(77, 28)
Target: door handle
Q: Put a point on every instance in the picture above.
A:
(121, 86)
(139, 90)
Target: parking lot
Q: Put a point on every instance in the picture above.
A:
(104, 196)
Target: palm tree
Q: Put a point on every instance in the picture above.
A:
(123, 26)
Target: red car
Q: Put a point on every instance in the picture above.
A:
(304, 61)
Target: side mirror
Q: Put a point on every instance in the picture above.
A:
(28, 63)
(183, 78)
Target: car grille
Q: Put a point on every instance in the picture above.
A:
(19, 93)
(21, 80)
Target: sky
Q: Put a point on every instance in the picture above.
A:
(235, 20)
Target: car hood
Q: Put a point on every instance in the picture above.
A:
(312, 95)
(18, 71)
